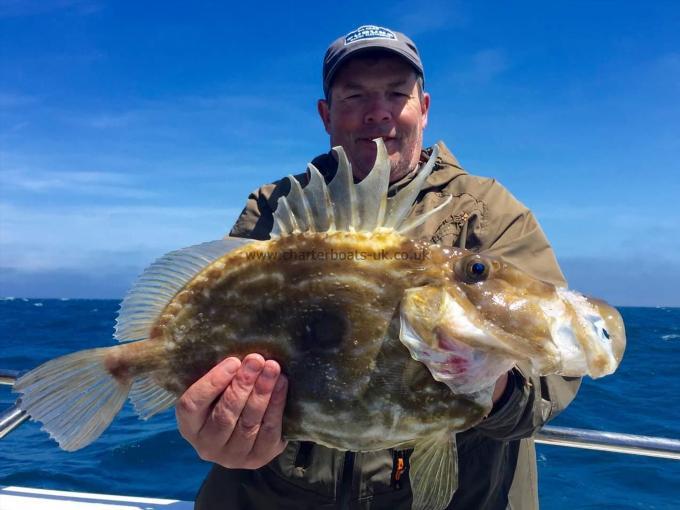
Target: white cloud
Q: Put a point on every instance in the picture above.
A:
(192, 120)
(607, 215)
(108, 184)
(101, 238)
(610, 232)
(625, 280)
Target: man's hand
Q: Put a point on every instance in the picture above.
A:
(232, 416)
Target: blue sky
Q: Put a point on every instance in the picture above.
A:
(128, 130)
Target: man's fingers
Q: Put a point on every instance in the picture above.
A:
(254, 410)
(269, 443)
(195, 404)
(233, 414)
(222, 420)
(248, 425)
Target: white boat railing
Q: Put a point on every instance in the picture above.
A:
(29, 498)
(632, 444)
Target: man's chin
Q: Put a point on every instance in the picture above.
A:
(366, 153)
(362, 169)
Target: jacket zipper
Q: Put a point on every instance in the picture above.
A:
(346, 482)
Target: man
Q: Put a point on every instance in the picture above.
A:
(373, 84)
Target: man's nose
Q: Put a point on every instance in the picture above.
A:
(378, 111)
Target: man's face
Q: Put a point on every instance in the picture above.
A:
(376, 98)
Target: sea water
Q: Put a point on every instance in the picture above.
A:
(150, 458)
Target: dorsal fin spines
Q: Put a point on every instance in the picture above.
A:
(372, 191)
(299, 206)
(343, 195)
(400, 204)
(285, 218)
(419, 220)
(277, 228)
(319, 200)
(343, 205)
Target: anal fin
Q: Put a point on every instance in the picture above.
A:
(148, 398)
(434, 472)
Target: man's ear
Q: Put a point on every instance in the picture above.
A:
(324, 110)
(425, 108)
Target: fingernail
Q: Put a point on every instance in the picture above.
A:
(253, 365)
(231, 365)
(269, 372)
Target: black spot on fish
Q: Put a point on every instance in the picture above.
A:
(322, 330)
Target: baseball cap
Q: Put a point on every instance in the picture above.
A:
(364, 38)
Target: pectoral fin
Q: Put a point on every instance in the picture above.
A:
(434, 472)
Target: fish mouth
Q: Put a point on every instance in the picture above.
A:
(596, 346)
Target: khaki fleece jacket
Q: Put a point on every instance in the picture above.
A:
(497, 461)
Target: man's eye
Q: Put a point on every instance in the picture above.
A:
(353, 96)
(400, 94)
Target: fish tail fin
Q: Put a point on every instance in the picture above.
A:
(75, 397)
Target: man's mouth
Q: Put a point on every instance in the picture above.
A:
(389, 140)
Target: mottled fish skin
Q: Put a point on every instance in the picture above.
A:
(333, 327)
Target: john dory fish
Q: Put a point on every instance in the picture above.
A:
(395, 346)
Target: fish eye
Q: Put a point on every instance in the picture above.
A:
(475, 269)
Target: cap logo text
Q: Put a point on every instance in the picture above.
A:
(369, 32)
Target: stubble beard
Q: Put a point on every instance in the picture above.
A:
(408, 160)
(402, 167)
